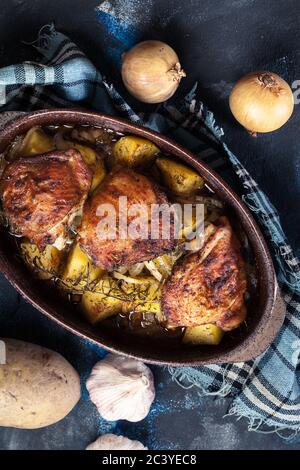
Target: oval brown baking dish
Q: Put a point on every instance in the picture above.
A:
(266, 314)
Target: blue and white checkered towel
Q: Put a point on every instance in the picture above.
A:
(265, 390)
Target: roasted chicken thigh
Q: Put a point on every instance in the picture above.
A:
(41, 194)
(208, 286)
(110, 251)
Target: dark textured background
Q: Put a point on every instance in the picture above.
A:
(217, 41)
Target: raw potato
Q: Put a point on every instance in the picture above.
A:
(38, 387)
(179, 178)
(134, 151)
(46, 263)
(203, 334)
(35, 142)
(105, 301)
(79, 271)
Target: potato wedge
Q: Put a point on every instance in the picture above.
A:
(35, 142)
(203, 334)
(139, 289)
(145, 307)
(134, 151)
(99, 174)
(79, 271)
(45, 263)
(103, 302)
(142, 295)
(179, 178)
(89, 155)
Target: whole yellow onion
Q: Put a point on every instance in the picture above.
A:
(261, 102)
(151, 71)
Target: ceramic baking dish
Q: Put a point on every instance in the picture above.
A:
(264, 317)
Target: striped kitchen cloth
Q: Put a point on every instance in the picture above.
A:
(264, 390)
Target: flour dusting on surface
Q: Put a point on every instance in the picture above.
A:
(128, 11)
(223, 436)
(106, 7)
(221, 89)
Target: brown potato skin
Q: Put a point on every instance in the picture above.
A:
(39, 192)
(38, 387)
(209, 290)
(109, 254)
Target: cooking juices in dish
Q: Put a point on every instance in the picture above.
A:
(61, 191)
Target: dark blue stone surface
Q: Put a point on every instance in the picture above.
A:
(217, 41)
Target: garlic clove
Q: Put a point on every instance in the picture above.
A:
(113, 442)
(121, 388)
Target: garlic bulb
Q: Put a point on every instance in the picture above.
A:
(113, 442)
(121, 388)
(151, 71)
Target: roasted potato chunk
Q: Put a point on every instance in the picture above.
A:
(79, 272)
(98, 175)
(179, 178)
(203, 334)
(89, 155)
(134, 151)
(142, 295)
(46, 263)
(35, 142)
(110, 297)
(145, 307)
(104, 301)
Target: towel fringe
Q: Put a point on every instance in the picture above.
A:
(196, 107)
(187, 381)
(43, 41)
(211, 124)
(255, 424)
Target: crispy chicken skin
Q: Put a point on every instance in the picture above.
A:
(208, 286)
(41, 193)
(123, 250)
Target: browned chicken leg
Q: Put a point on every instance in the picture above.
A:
(122, 250)
(208, 286)
(41, 194)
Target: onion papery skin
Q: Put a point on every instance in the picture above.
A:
(261, 102)
(151, 71)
